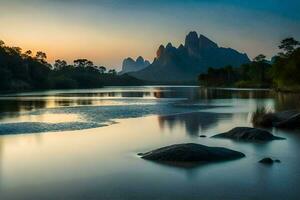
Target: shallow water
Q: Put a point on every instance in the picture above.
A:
(82, 144)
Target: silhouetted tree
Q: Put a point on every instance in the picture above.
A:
(112, 72)
(22, 72)
(288, 45)
(83, 63)
(260, 58)
(41, 56)
(286, 67)
(2, 43)
(16, 50)
(254, 74)
(60, 64)
(28, 53)
(102, 69)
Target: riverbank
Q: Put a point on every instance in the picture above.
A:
(291, 90)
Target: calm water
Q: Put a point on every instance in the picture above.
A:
(82, 144)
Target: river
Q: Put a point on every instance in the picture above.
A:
(83, 144)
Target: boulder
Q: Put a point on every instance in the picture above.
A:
(202, 136)
(190, 153)
(247, 133)
(266, 120)
(286, 119)
(290, 123)
(269, 161)
(285, 114)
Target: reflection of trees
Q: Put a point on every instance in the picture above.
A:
(84, 102)
(287, 101)
(159, 94)
(192, 122)
(13, 108)
(20, 105)
(134, 94)
(207, 93)
(198, 93)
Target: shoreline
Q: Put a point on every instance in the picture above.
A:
(275, 90)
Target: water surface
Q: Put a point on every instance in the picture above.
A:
(82, 144)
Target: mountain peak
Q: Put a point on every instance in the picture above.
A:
(140, 59)
(181, 46)
(191, 41)
(169, 45)
(131, 65)
(192, 35)
(129, 59)
(187, 61)
(160, 51)
(205, 42)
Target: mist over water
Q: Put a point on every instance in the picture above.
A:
(82, 144)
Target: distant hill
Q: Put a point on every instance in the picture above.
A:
(183, 64)
(130, 65)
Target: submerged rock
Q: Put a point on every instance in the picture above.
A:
(191, 153)
(269, 161)
(247, 133)
(287, 119)
(202, 136)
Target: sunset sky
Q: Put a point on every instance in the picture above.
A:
(107, 31)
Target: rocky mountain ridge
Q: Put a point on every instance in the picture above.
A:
(183, 64)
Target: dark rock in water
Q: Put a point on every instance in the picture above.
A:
(286, 119)
(290, 123)
(269, 161)
(202, 136)
(266, 120)
(246, 133)
(191, 153)
(285, 114)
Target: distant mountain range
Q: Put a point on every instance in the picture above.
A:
(183, 64)
(130, 65)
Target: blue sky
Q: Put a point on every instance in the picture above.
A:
(106, 31)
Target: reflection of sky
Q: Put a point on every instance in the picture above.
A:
(109, 30)
(72, 110)
(98, 163)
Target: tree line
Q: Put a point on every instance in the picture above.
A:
(281, 73)
(24, 71)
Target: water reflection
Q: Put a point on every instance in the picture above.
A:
(287, 101)
(194, 123)
(29, 101)
(97, 163)
(14, 105)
